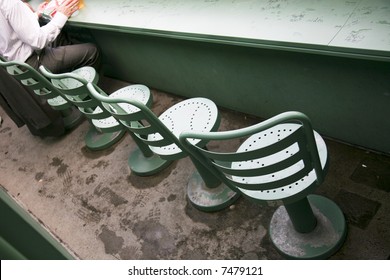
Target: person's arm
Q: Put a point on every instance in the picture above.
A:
(40, 8)
(26, 26)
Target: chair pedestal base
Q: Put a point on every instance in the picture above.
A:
(96, 140)
(146, 166)
(321, 243)
(209, 199)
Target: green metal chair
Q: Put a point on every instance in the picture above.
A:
(105, 131)
(141, 161)
(161, 135)
(31, 78)
(280, 159)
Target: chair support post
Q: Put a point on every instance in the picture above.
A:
(301, 215)
(146, 151)
(206, 191)
(210, 180)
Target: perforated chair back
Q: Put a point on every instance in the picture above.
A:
(279, 159)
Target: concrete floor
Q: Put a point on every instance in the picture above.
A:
(99, 210)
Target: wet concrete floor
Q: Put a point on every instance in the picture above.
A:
(92, 202)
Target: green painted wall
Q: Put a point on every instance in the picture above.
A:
(347, 98)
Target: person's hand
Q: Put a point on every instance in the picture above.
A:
(68, 7)
(41, 8)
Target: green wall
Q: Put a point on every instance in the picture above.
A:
(22, 237)
(347, 98)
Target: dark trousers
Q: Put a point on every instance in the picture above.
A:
(66, 58)
(24, 107)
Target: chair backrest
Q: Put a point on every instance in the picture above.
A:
(287, 144)
(138, 119)
(73, 88)
(30, 78)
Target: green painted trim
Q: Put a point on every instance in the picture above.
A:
(9, 252)
(22, 237)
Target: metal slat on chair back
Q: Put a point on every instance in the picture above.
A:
(30, 78)
(286, 145)
(80, 98)
(76, 93)
(252, 169)
(139, 119)
(74, 89)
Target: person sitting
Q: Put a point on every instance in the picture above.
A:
(23, 39)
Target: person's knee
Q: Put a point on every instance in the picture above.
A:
(94, 55)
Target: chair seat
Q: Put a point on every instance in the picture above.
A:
(264, 139)
(195, 114)
(88, 73)
(58, 103)
(139, 92)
